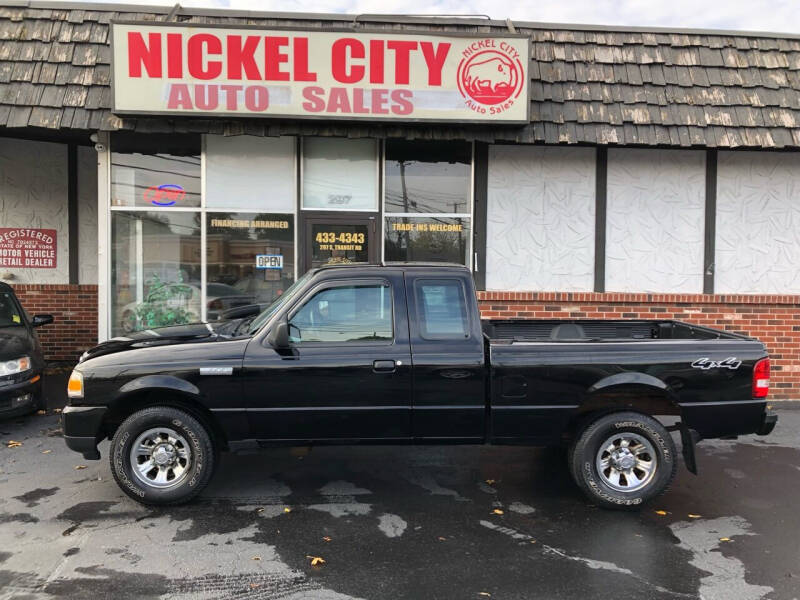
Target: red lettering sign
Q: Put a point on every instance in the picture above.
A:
(429, 76)
(24, 248)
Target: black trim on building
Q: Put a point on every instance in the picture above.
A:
(711, 222)
(480, 198)
(601, 192)
(72, 211)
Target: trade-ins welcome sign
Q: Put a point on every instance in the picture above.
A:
(174, 69)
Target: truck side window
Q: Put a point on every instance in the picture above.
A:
(352, 313)
(442, 308)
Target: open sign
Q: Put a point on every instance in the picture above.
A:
(269, 261)
(166, 194)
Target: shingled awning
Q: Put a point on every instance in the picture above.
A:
(590, 85)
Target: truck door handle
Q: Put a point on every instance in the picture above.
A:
(383, 366)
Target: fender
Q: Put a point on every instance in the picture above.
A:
(630, 378)
(159, 382)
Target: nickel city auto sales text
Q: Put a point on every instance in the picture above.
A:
(285, 59)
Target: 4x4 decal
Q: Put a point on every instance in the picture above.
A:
(705, 363)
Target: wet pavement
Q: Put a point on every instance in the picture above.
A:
(399, 522)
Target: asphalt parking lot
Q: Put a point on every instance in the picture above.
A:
(399, 522)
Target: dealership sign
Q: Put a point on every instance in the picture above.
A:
(26, 248)
(175, 69)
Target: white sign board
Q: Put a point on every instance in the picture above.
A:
(172, 69)
(269, 261)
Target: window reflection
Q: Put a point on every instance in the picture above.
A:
(155, 180)
(155, 269)
(250, 258)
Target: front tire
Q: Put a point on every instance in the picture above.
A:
(623, 460)
(161, 456)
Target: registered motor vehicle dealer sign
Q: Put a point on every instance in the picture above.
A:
(174, 69)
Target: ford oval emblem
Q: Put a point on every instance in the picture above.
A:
(166, 194)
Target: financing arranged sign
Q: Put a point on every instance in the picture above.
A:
(173, 69)
(26, 248)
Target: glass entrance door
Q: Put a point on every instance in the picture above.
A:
(340, 239)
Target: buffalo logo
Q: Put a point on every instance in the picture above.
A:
(166, 194)
(490, 77)
(729, 363)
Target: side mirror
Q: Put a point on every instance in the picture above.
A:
(278, 338)
(39, 320)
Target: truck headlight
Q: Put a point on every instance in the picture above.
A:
(18, 365)
(75, 385)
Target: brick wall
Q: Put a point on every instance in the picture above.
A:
(775, 320)
(74, 308)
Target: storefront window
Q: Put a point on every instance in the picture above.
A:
(340, 174)
(250, 259)
(428, 177)
(428, 239)
(427, 201)
(155, 269)
(155, 180)
(252, 173)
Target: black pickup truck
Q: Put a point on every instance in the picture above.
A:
(366, 354)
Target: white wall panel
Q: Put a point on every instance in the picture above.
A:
(254, 173)
(540, 230)
(655, 220)
(758, 223)
(87, 215)
(33, 193)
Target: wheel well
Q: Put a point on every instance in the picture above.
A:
(136, 402)
(650, 403)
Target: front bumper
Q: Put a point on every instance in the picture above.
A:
(83, 429)
(22, 397)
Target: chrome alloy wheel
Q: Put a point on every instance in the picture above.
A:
(160, 458)
(626, 462)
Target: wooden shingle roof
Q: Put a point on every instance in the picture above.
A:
(589, 85)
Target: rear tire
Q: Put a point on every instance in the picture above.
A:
(623, 460)
(162, 456)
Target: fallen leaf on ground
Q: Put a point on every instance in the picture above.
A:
(287, 510)
(316, 560)
(326, 538)
(661, 512)
(725, 539)
(13, 444)
(533, 541)
(41, 412)
(691, 516)
(260, 509)
(487, 594)
(442, 538)
(46, 451)
(497, 511)
(57, 410)
(254, 586)
(79, 467)
(490, 482)
(256, 558)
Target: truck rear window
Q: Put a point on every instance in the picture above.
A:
(442, 308)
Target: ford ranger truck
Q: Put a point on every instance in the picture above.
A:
(398, 353)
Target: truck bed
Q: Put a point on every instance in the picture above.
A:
(588, 330)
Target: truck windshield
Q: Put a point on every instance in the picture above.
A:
(290, 292)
